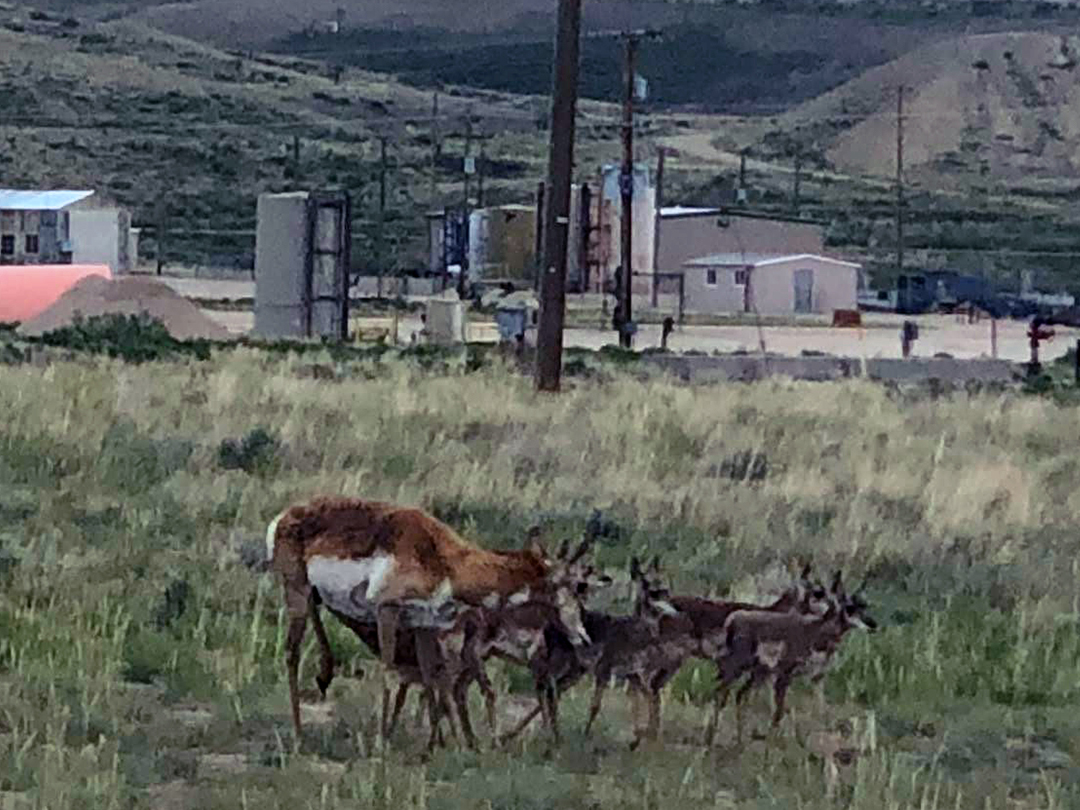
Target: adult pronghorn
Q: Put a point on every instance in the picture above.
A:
(378, 562)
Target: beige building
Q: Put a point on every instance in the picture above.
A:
(770, 284)
(64, 227)
(687, 233)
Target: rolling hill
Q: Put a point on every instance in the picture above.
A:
(997, 110)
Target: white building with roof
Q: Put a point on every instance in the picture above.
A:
(769, 284)
(64, 227)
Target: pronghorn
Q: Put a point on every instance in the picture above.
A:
(708, 617)
(782, 646)
(393, 566)
(643, 649)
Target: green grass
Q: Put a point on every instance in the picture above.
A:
(141, 645)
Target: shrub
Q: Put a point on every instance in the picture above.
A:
(256, 453)
(133, 338)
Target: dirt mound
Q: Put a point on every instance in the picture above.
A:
(129, 295)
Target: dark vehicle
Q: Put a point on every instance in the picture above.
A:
(942, 290)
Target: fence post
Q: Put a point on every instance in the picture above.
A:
(1076, 362)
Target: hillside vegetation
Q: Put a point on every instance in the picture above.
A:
(141, 645)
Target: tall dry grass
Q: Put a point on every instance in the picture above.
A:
(138, 654)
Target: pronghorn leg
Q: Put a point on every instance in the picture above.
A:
(326, 665)
(429, 656)
(751, 682)
(720, 697)
(488, 690)
(653, 732)
(780, 688)
(523, 723)
(597, 700)
(296, 602)
(461, 700)
(553, 699)
(635, 717)
(399, 704)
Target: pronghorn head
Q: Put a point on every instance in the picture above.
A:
(812, 596)
(651, 598)
(852, 608)
(570, 581)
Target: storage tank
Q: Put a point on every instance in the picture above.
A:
(28, 290)
(502, 243)
(644, 221)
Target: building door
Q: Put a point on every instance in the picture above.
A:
(804, 290)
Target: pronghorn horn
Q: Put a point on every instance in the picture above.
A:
(579, 552)
(635, 567)
(806, 570)
(563, 549)
(656, 564)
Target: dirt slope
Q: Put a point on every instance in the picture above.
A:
(1002, 106)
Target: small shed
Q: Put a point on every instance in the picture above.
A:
(770, 284)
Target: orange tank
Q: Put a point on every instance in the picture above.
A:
(27, 290)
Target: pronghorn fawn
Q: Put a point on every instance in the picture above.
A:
(643, 650)
(782, 646)
(398, 568)
(708, 616)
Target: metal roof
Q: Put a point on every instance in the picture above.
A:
(22, 200)
(686, 211)
(758, 259)
(732, 259)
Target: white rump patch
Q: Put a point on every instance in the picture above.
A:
(769, 653)
(491, 601)
(351, 586)
(271, 536)
(519, 598)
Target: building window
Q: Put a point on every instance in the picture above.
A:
(741, 277)
(7, 221)
(710, 277)
(31, 243)
(7, 245)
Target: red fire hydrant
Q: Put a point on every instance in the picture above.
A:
(1037, 333)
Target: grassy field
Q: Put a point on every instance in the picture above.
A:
(141, 645)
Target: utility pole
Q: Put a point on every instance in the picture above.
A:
(435, 148)
(798, 178)
(626, 182)
(557, 210)
(379, 251)
(466, 170)
(480, 175)
(900, 179)
(656, 227)
(162, 225)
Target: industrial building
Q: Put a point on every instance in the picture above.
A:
(769, 284)
(65, 227)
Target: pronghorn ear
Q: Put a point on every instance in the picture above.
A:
(656, 564)
(806, 571)
(837, 584)
(635, 568)
(536, 547)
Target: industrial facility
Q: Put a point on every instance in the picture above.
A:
(44, 227)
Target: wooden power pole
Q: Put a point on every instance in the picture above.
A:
(900, 180)
(380, 241)
(467, 170)
(626, 184)
(557, 209)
